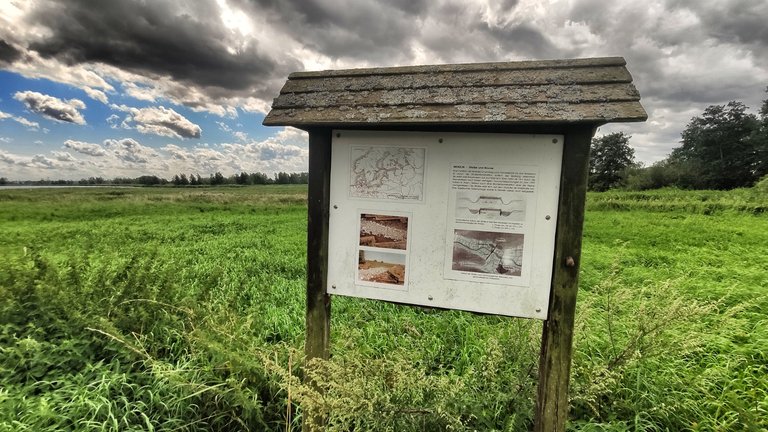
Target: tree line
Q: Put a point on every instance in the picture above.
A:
(243, 178)
(725, 147)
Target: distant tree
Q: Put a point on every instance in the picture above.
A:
(180, 180)
(147, 180)
(121, 180)
(217, 179)
(195, 180)
(3, 181)
(760, 141)
(242, 178)
(721, 147)
(259, 178)
(282, 178)
(609, 158)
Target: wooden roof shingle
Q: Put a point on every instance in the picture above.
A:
(595, 91)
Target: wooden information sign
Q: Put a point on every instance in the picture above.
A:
(455, 186)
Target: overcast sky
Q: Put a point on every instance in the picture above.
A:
(128, 87)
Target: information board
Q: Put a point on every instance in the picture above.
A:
(450, 220)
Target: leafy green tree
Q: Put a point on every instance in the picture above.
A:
(282, 178)
(609, 158)
(217, 179)
(149, 180)
(259, 178)
(180, 180)
(242, 178)
(721, 148)
(760, 141)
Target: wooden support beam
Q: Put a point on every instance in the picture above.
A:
(318, 315)
(318, 318)
(557, 336)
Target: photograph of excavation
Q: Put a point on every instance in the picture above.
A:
(383, 231)
(381, 267)
(488, 252)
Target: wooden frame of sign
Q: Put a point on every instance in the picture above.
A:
(562, 97)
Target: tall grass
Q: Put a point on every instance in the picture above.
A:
(183, 309)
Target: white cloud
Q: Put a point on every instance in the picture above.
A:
(130, 150)
(276, 153)
(41, 161)
(63, 156)
(20, 120)
(157, 120)
(96, 94)
(52, 107)
(224, 127)
(85, 148)
(112, 121)
(7, 157)
(27, 123)
(240, 136)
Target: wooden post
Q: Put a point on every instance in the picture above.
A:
(318, 315)
(557, 336)
(318, 319)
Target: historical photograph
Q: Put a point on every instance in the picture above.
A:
(488, 252)
(381, 267)
(383, 231)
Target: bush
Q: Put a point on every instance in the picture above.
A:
(762, 185)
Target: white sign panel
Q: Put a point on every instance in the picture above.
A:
(450, 220)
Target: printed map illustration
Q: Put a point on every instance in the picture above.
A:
(393, 173)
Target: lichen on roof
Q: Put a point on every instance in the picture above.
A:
(594, 91)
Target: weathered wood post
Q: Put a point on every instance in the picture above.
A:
(468, 157)
(318, 319)
(557, 336)
(318, 313)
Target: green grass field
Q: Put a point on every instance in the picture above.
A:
(183, 310)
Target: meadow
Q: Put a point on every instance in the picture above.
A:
(182, 309)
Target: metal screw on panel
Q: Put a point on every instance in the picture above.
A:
(440, 140)
(335, 206)
(333, 286)
(429, 297)
(338, 135)
(547, 217)
(554, 140)
(538, 310)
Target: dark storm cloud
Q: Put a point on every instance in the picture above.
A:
(738, 21)
(8, 53)
(522, 39)
(380, 32)
(683, 52)
(52, 107)
(184, 40)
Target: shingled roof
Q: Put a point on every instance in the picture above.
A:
(594, 91)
